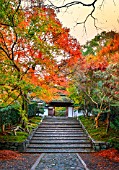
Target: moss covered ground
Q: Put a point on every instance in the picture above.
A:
(100, 134)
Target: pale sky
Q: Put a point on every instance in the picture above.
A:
(108, 18)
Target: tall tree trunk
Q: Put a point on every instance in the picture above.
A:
(85, 110)
(24, 104)
(24, 108)
(108, 122)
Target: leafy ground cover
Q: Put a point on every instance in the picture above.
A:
(17, 161)
(20, 135)
(100, 134)
(103, 160)
(111, 154)
(8, 154)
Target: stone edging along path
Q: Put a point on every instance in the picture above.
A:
(21, 146)
(17, 146)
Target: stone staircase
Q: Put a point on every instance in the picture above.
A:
(59, 134)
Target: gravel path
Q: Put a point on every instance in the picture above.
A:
(59, 161)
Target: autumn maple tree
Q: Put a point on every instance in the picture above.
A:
(95, 79)
(33, 49)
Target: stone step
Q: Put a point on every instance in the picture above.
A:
(59, 146)
(59, 118)
(59, 135)
(60, 123)
(60, 126)
(70, 128)
(60, 130)
(55, 135)
(76, 150)
(35, 141)
(60, 138)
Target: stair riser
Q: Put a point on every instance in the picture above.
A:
(70, 128)
(59, 142)
(59, 133)
(59, 147)
(63, 126)
(63, 135)
(59, 151)
(60, 119)
(59, 138)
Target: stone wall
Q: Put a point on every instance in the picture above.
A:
(17, 146)
(99, 145)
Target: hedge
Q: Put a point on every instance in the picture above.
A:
(9, 115)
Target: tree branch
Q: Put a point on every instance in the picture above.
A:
(74, 3)
(67, 5)
(91, 14)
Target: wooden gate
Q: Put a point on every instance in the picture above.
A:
(50, 111)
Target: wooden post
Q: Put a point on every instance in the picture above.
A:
(66, 111)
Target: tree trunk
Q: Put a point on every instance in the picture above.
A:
(108, 122)
(9, 126)
(24, 104)
(85, 109)
(3, 128)
(97, 120)
(24, 108)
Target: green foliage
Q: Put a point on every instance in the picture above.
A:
(60, 111)
(115, 122)
(32, 109)
(9, 115)
(95, 111)
(41, 110)
(23, 116)
(35, 120)
(74, 94)
(115, 117)
(115, 142)
(99, 41)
